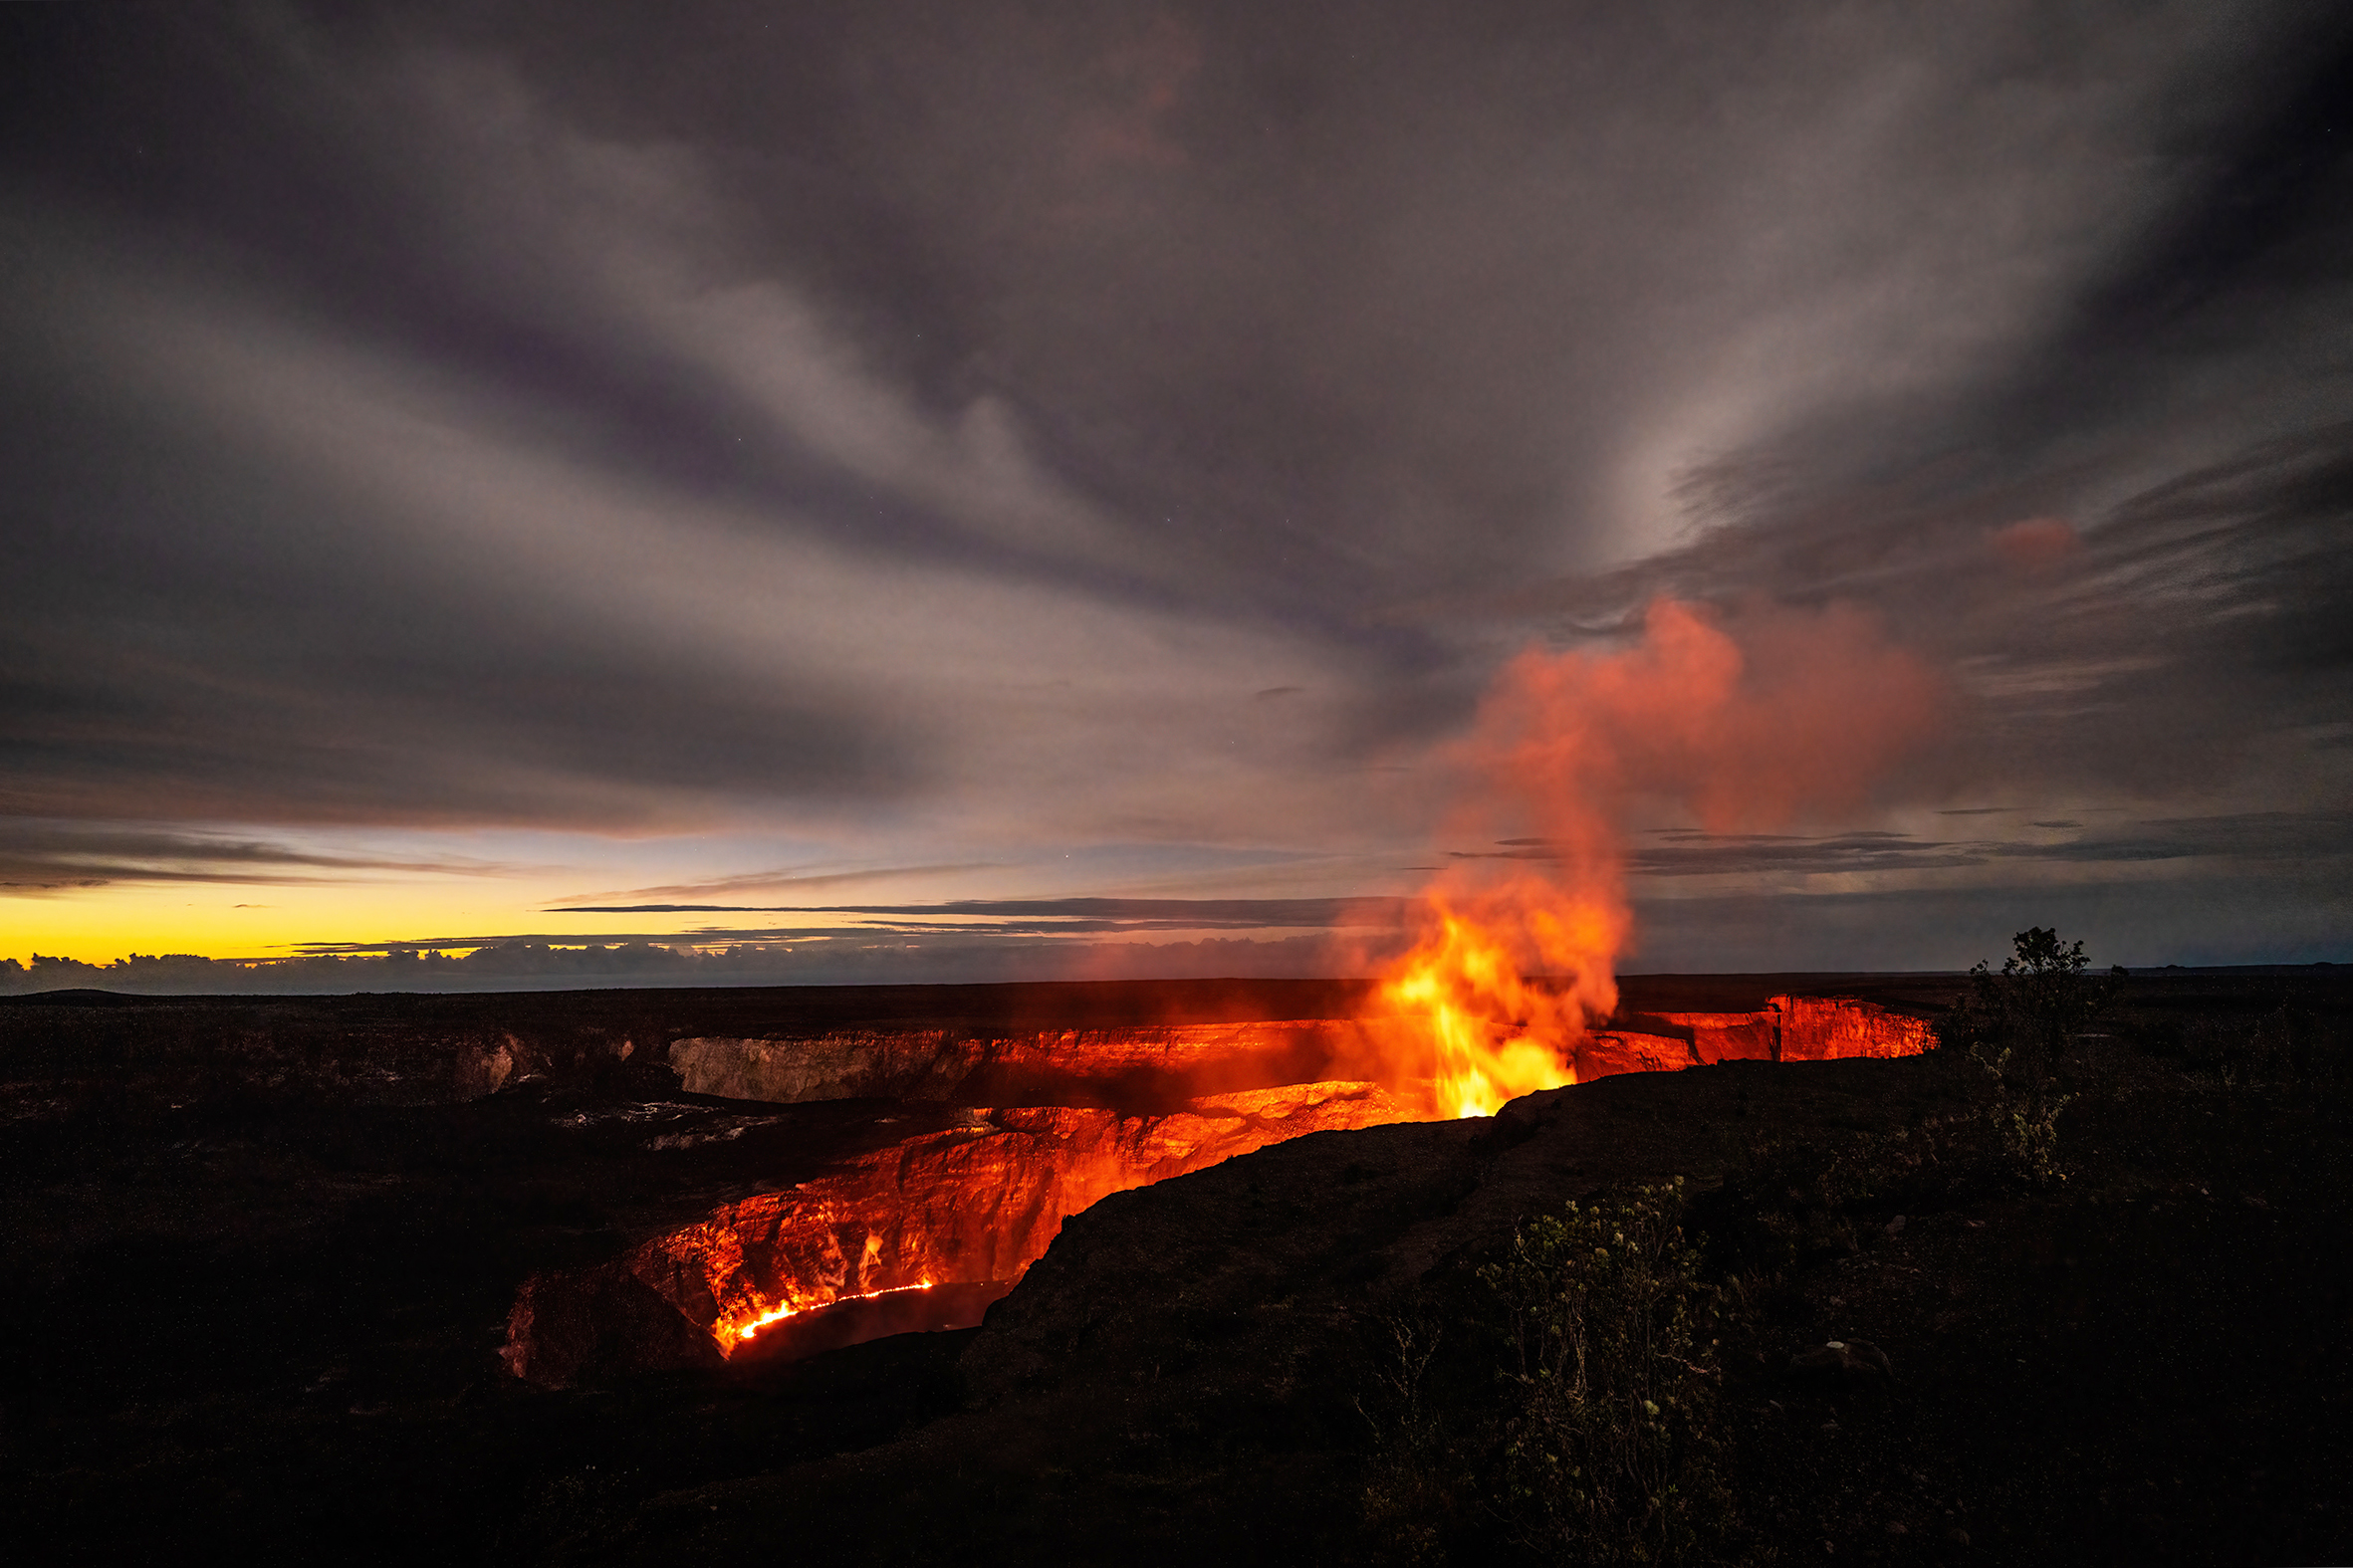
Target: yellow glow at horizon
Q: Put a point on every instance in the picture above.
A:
(101, 924)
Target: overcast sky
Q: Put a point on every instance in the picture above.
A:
(594, 471)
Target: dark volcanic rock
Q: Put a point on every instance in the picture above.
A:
(1181, 1372)
(596, 1325)
(258, 1280)
(1223, 1315)
(1843, 1362)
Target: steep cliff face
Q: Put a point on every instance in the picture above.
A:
(964, 1206)
(1830, 1029)
(1790, 1029)
(1729, 1037)
(1044, 1068)
(1164, 1064)
(1605, 1053)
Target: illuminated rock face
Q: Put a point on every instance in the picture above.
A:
(980, 1202)
(1790, 1029)
(1125, 1065)
(971, 1204)
(1049, 1066)
(1731, 1036)
(1831, 1029)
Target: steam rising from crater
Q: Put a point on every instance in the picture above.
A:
(1748, 728)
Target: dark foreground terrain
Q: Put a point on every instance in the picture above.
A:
(259, 1258)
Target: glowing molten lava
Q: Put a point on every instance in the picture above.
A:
(730, 1335)
(1493, 1035)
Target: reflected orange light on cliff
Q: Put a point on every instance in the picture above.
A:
(965, 1204)
(976, 1204)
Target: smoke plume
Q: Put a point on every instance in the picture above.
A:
(1748, 728)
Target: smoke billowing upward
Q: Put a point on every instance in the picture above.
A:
(1749, 728)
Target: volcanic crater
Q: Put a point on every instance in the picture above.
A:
(402, 1277)
(1070, 1117)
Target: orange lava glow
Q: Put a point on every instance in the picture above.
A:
(1798, 715)
(730, 1335)
(1493, 1034)
(977, 1202)
(966, 1204)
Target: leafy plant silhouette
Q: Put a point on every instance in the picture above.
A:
(1609, 1455)
(2017, 1024)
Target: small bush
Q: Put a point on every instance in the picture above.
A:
(2024, 1111)
(1415, 1487)
(1558, 1403)
(1607, 1455)
(2037, 1002)
(2017, 1024)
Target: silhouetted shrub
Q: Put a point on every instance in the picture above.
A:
(1559, 1405)
(2017, 1024)
(1608, 1454)
(2033, 1005)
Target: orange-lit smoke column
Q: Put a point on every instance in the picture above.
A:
(1803, 712)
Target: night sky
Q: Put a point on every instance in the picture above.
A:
(996, 490)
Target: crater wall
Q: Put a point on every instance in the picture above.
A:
(977, 1202)
(966, 1205)
(1128, 1066)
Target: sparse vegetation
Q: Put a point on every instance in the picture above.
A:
(2285, 1046)
(2017, 1026)
(1596, 1442)
(2025, 1110)
(1411, 1486)
(1608, 1454)
(1786, 1205)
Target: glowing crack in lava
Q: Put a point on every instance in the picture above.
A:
(1800, 713)
(730, 1335)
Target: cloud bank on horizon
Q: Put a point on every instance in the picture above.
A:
(563, 473)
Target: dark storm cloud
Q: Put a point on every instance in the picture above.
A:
(56, 857)
(1009, 424)
(1702, 855)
